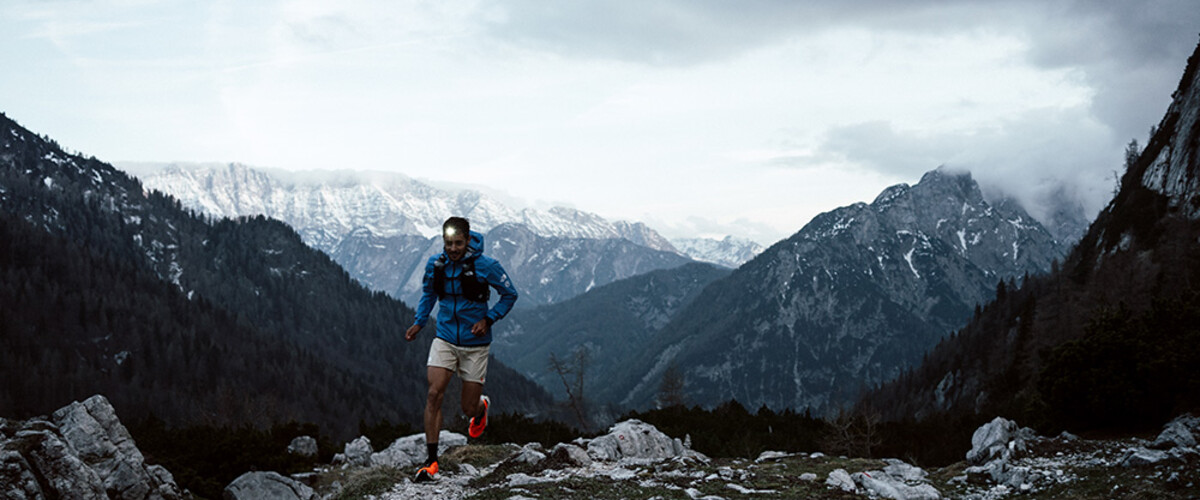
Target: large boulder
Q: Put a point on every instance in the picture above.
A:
(35, 452)
(998, 439)
(305, 446)
(83, 451)
(899, 481)
(1178, 433)
(994, 448)
(639, 440)
(841, 479)
(410, 450)
(267, 486)
(358, 452)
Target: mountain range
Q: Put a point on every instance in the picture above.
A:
(381, 227)
(108, 287)
(848, 302)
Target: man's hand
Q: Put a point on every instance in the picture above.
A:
(480, 328)
(412, 332)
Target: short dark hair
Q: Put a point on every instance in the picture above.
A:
(459, 225)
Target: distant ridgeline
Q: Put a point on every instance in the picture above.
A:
(106, 288)
(1109, 340)
(848, 302)
(383, 226)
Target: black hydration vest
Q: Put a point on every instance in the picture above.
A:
(472, 289)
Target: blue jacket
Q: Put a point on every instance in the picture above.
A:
(457, 313)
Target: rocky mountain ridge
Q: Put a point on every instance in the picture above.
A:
(729, 252)
(1118, 317)
(849, 301)
(378, 225)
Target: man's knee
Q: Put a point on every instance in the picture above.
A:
(435, 395)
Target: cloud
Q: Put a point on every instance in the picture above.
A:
(1038, 152)
(1131, 53)
(701, 227)
(682, 32)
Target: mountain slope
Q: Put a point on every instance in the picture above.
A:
(612, 323)
(1109, 340)
(109, 288)
(850, 300)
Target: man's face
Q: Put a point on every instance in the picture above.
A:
(455, 245)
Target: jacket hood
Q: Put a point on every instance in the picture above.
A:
(474, 246)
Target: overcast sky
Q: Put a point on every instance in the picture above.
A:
(700, 118)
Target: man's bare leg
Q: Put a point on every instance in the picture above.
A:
(439, 378)
(471, 405)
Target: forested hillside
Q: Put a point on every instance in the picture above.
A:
(106, 288)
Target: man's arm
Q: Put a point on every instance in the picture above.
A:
(428, 298)
(499, 280)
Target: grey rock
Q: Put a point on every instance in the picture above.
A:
(897, 480)
(571, 455)
(104, 444)
(529, 454)
(358, 452)
(808, 476)
(16, 477)
(1000, 438)
(996, 471)
(771, 455)
(45, 454)
(1138, 457)
(82, 452)
(267, 486)
(636, 439)
(841, 479)
(879, 483)
(1178, 432)
(903, 471)
(410, 450)
(305, 446)
(1017, 477)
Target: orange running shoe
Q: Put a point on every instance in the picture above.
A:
(476, 428)
(427, 473)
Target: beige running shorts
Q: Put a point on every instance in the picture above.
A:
(469, 362)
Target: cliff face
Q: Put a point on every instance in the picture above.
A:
(1168, 166)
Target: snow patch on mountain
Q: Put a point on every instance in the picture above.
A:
(730, 252)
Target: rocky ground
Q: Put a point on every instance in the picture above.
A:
(83, 451)
(1005, 461)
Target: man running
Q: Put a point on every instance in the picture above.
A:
(459, 277)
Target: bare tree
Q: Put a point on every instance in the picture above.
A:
(573, 369)
(670, 391)
(854, 433)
